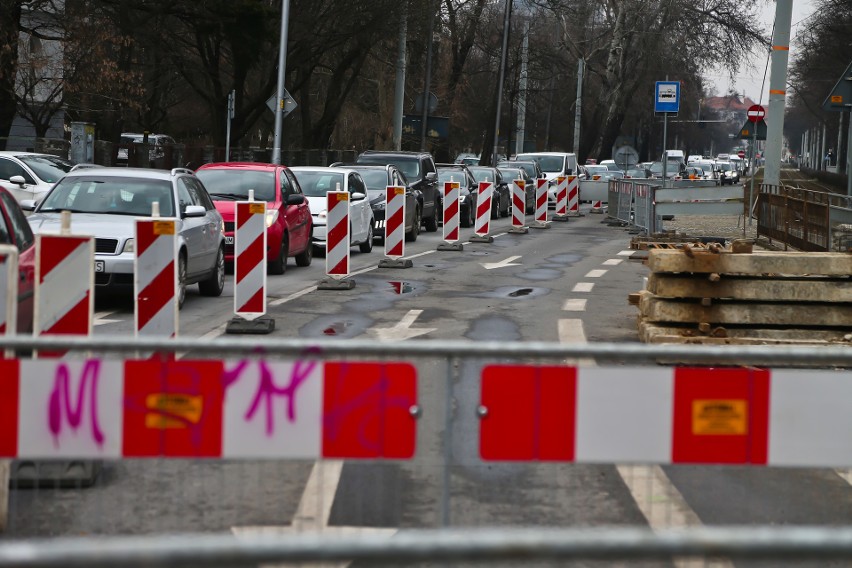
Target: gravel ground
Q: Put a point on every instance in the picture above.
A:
(729, 227)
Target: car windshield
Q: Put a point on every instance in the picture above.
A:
(656, 168)
(594, 170)
(376, 180)
(483, 174)
(636, 173)
(234, 184)
(511, 173)
(450, 175)
(112, 195)
(410, 167)
(549, 164)
(725, 166)
(48, 168)
(317, 184)
(125, 139)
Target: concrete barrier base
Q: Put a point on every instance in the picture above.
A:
(332, 284)
(457, 247)
(259, 326)
(519, 230)
(482, 239)
(395, 263)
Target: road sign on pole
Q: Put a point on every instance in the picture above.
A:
(755, 113)
(288, 103)
(667, 98)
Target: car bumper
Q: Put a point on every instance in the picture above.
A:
(117, 272)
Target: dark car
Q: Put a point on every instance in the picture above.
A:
(467, 190)
(531, 167)
(502, 194)
(15, 231)
(512, 173)
(419, 169)
(377, 179)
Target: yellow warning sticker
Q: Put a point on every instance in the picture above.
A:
(837, 99)
(719, 417)
(164, 227)
(342, 196)
(399, 191)
(257, 208)
(171, 410)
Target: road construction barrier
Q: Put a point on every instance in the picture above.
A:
(64, 285)
(645, 215)
(541, 187)
(624, 193)
(250, 250)
(519, 203)
(561, 211)
(485, 191)
(700, 200)
(574, 195)
(155, 278)
(594, 190)
(451, 211)
(8, 289)
(337, 238)
(395, 222)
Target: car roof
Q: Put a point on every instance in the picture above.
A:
(129, 173)
(325, 169)
(241, 165)
(15, 153)
(393, 153)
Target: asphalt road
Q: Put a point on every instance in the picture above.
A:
(573, 273)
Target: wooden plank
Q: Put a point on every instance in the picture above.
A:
(752, 313)
(757, 263)
(743, 288)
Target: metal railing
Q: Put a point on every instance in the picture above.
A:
(801, 218)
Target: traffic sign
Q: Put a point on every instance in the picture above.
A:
(840, 97)
(288, 104)
(667, 98)
(755, 113)
(751, 131)
(741, 154)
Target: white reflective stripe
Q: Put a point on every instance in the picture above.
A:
(518, 196)
(451, 224)
(541, 202)
(338, 214)
(64, 287)
(246, 288)
(561, 195)
(482, 221)
(8, 289)
(394, 235)
(623, 415)
(250, 231)
(163, 322)
(151, 263)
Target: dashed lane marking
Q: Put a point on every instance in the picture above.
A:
(613, 262)
(583, 287)
(574, 305)
(597, 273)
(626, 253)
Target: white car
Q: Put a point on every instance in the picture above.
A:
(28, 176)
(316, 182)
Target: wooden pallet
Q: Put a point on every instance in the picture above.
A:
(718, 297)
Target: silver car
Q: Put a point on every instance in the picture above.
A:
(105, 202)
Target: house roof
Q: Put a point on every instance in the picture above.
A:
(729, 103)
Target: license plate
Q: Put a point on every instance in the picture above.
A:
(99, 266)
(229, 240)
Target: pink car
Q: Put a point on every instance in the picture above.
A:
(288, 217)
(14, 230)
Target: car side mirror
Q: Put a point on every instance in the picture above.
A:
(28, 205)
(18, 180)
(358, 196)
(194, 211)
(431, 176)
(295, 199)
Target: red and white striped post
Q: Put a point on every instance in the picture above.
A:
(8, 292)
(155, 277)
(64, 284)
(337, 242)
(541, 221)
(484, 195)
(250, 269)
(597, 206)
(574, 196)
(519, 207)
(451, 217)
(395, 213)
(561, 213)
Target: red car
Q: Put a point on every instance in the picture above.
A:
(14, 230)
(288, 217)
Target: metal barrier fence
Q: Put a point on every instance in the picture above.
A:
(804, 219)
(633, 203)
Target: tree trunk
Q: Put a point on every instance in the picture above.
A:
(10, 18)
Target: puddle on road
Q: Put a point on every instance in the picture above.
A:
(400, 287)
(521, 292)
(479, 253)
(335, 326)
(513, 292)
(564, 259)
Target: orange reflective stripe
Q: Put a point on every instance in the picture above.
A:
(781, 47)
(777, 92)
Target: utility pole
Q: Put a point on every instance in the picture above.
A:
(427, 81)
(399, 92)
(282, 70)
(522, 88)
(231, 100)
(777, 91)
(505, 53)
(578, 105)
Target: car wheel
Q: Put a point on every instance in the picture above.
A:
(505, 212)
(465, 215)
(495, 211)
(411, 235)
(305, 257)
(278, 265)
(215, 283)
(181, 276)
(431, 223)
(367, 246)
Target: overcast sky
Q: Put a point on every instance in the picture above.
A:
(750, 76)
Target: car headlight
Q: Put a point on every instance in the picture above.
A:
(271, 217)
(322, 214)
(378, 205)
(129, 246)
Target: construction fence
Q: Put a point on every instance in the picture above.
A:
(804, 219)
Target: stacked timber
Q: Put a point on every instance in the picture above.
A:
(715, 295)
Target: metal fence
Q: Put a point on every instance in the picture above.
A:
(633, 203)
(804, 219)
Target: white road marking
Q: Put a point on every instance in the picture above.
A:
(659, 500)
(574, 305)
(626, 253)
(419, 254)
(613, 262)
(500, 264)
(292, 296)
(402, 330)
(100, 318)
(583, 287)
(597, 273)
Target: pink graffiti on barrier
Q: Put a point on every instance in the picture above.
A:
(61, 406)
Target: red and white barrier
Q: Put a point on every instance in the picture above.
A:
(541, 186)
(107, 409)
(574, 195)
(485, 193)
(155, 278)
(451, 211)
(8, 289)
(250, 259)
(519, 206)
(561, 212)
(64, 285)
(395, 222)
(597, 207)
(337, 235)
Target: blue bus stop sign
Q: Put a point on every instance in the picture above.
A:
(667, 96)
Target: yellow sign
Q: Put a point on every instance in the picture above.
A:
(719, 417)
(399, 191)
(837, 99)
(342, 196)
(169, 410)
(164, 227)
(744, 132)
(257, 208)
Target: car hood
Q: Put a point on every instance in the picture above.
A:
(227, 209)
(317, 204)
(95, 224)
